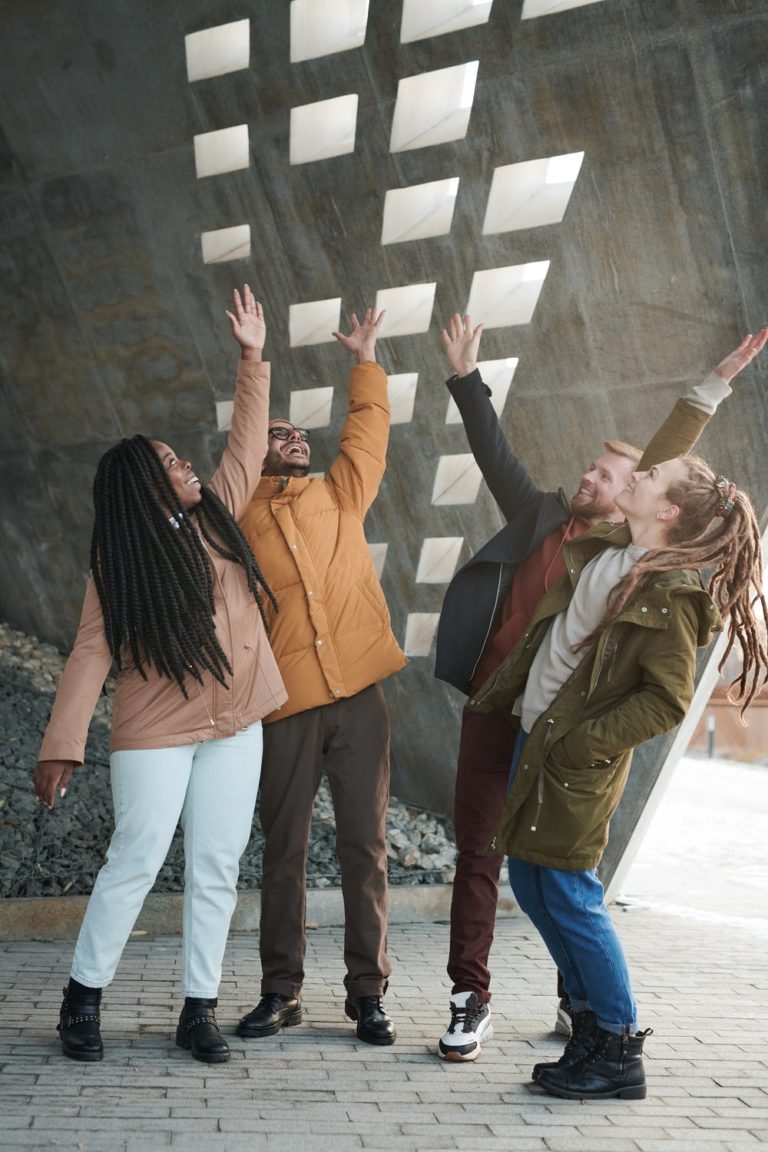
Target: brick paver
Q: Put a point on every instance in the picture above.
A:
(702, 986)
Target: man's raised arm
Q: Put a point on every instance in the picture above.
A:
(357, 471)
(510, 484)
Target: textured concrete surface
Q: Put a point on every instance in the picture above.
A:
(703, 990)
(110, 323)
(58, 918)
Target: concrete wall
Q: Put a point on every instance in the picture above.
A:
(110, 324)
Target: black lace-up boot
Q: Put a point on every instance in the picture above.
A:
(613, 1067)
(79, 1022)
(582, 1039)
(199, 1032)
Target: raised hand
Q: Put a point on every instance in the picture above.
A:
(462, 342)
(361, 341)
(248, 326)
(742, 356)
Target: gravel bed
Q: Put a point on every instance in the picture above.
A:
(55, 853)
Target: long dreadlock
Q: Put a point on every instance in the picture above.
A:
(716, 529)
(153, 576)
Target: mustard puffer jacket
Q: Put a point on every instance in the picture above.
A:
(331, 635)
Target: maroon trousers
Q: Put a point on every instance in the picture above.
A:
(485, 756)
(349, 741)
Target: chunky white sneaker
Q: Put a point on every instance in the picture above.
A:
(470, 1023)
(564, 1018)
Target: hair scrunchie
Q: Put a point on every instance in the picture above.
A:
(726, 496)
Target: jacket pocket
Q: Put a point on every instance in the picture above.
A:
(578, 804)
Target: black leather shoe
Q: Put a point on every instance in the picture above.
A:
(79, 1022)
(199, 1032)
(373, 1024)
(272, 1013)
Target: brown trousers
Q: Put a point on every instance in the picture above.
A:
(349, 740)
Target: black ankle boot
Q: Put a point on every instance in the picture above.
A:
(373, 1024)
(612, 1068)
(199, 1032)
(582, 1039)
(79, 1021)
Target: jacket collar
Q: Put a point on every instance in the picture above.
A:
(274, 487)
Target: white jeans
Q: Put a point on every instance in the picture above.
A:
(210, 789)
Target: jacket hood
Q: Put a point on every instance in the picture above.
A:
(653, 602)
(688, 582)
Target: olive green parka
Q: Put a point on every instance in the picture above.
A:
(635, 683)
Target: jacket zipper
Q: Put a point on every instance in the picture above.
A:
(603, 648)
(540, 779)
(490, 625)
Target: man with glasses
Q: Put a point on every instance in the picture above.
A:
(333, 643)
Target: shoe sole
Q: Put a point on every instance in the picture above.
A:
(290, 1021)
(381, 1042)
(454, 1056)
(83, 1057)
(638, 1092)
(212, 1058)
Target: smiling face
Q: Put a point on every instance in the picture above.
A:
(645, 501)
(595, 499)
(182, 479)
(287, 452)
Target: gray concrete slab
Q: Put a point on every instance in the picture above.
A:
(702, 987)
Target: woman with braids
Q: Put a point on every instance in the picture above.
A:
(606, 663)
(175, 601)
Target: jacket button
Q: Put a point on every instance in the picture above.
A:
(643, 609)
(565, 785)
(318, 643)
(294, 545)
(664, 611)
(310, 592)
(336, 692)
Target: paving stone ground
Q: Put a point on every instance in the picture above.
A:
(702, 986)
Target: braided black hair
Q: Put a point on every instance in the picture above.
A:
(153, 575)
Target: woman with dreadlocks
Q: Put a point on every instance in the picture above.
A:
(607, 663)
(175, 601)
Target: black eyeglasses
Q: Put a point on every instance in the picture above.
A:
(280, 432)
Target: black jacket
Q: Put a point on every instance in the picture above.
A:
(476, 593)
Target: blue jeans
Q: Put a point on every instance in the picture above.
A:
(568, 910)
